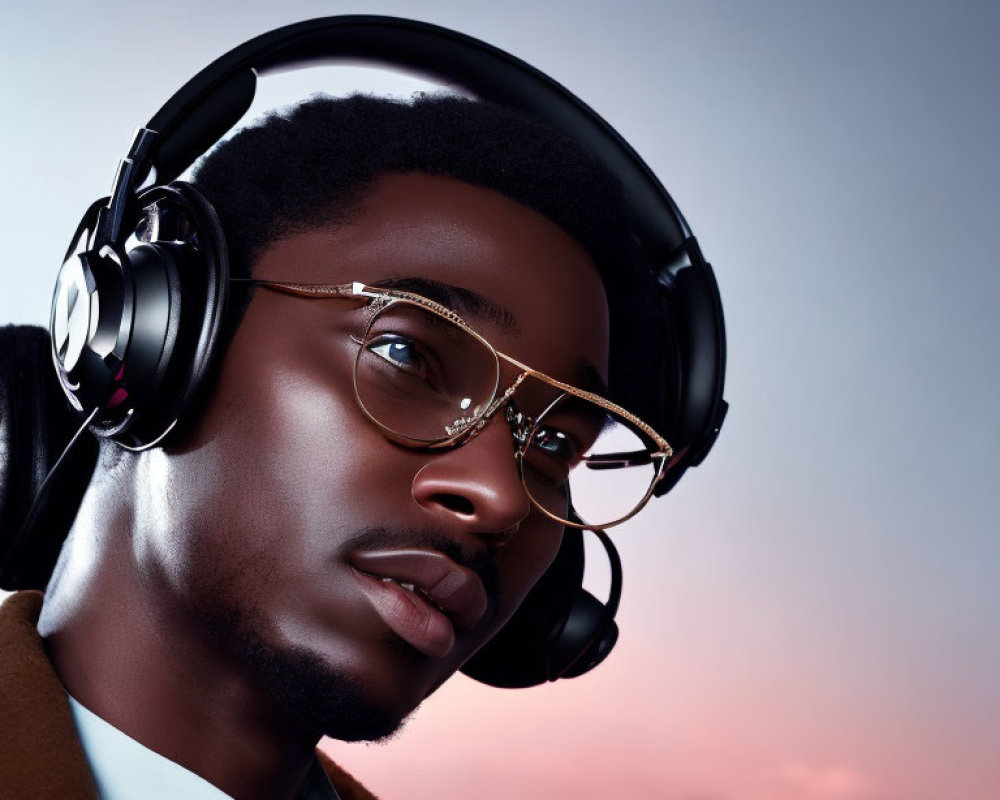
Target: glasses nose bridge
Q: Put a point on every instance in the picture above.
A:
(520, 423)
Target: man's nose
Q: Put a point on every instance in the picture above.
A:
(477, 486)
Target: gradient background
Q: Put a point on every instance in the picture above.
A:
(813, 613)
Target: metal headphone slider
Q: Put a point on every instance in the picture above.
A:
(132, 170)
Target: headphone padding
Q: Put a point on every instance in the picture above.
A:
(553, 632)
(587, 636)
(196, 268)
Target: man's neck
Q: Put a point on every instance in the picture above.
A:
(145, 667)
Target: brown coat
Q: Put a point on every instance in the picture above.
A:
(41, 757)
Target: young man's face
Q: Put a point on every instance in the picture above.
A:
(271, 526)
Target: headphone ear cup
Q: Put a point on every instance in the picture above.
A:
(134, 327)
(180, 272)
(587, 637)
(518, 655)
(188, 227)
(147, 315)
(560, 630)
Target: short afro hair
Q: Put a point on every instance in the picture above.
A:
(313, 165)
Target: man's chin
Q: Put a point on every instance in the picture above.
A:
(320, 698)
(323, 699)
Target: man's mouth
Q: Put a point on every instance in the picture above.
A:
(421, 595)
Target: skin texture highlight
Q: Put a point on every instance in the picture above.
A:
(206, 603)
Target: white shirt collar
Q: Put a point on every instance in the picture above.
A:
(124, 769)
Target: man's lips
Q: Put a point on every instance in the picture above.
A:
(444, 595)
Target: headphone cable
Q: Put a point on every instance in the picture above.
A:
(9, 570)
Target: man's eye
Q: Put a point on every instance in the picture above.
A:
(399, 351)
(556, 445)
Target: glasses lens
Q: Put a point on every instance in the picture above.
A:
(421, 376)
(582, 454)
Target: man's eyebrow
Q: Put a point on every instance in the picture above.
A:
(590, 379)
(464, 302)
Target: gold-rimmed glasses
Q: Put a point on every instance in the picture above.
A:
(428, 380)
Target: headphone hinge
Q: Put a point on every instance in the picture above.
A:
(686, 255)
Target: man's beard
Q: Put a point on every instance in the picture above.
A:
(319, 698)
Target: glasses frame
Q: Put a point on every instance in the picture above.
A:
(523, 426)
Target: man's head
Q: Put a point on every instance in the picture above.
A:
(265, 531)
(314, 164)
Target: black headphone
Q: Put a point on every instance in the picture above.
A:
(135, 320)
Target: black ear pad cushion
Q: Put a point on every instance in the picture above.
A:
(589, 633)
(551, 632)
(181, 274)
(150, 313)
(692, 374)
(35, 424)
(518, 655)
(24, 449)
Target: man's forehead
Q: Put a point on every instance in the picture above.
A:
(517, 278)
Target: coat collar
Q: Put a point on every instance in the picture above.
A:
(40, 752)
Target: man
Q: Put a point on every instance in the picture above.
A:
(302, 558)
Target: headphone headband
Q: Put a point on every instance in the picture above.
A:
(688, 406)
(213, 101)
